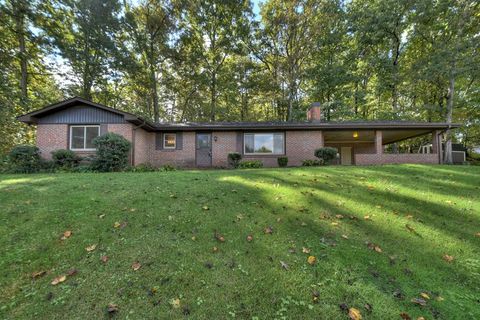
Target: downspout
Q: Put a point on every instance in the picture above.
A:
(134, 131)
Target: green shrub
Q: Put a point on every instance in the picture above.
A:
(65, 158)
(311, 163)
(82, 169)
(167, 167)
(250, 164)
(112, 152)
(24, 159)
(234, 159)
(282, 161)
(326, 154)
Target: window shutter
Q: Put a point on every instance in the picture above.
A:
(158, 141)
(103, 129)
(179, 142)
(240, 142)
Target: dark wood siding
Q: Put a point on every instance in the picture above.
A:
(82, 115)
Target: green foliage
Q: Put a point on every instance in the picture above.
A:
(282, 161)
(167, 168)
(234, 159)
(326, 154)
(250, 164)
(24, 159)
(144, 167)
(112, 152)
(65, 158)
(312, 163)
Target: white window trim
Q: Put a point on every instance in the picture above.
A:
(84, 137)
(175, 143)
(262, 153)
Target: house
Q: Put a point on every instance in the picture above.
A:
(74, 123)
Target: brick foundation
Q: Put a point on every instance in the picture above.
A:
(370, 159)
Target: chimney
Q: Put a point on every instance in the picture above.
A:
(314, 113)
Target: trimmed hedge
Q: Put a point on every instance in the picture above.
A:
(282, 161)
(65, 158)
(234, 159)
(250, 164)
(311, 163)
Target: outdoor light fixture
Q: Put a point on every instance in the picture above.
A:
(215, 138)
(355, 134)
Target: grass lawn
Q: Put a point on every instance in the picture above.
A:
(379, 235)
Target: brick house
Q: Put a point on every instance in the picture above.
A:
(74, 123)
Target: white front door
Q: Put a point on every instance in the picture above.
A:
(346, 156)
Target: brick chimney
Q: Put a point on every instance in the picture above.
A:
(314, 113)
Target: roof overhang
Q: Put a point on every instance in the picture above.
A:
(32, 117)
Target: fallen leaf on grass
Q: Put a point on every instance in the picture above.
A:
(425, 296)
(136, 265)
(374, 247)
(284, 265)
(101, 216)
(268, 230)
(59, 279)
(311, 260)
(419, 301)
(91, 248)
(249, 238)
(305, 250)
(205, 208)
(405, 316)
(477, 234)
(38, 274)
(410, 228)
(420, 318)
(215, 249)
(367, 218)
(315, 296)
(175, 303)
(439, 298)
(112, 308)
(116, 224)
(339, 216)
(104, 259)
(334, 223)
(67, 234)
(219, 236)
(344, 236)
(448, 258)
(368, 307)
(354, 314)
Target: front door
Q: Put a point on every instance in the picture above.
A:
(346, 156)
(203, 154)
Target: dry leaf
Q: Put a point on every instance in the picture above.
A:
(219, 237)
(410, 228)
(420, 318)
(448, 258)
(59, 279)
(268, 230)
(101, 216)
(477, 234)
(116, 224)
(215, 249)
(334, 223)
(38, 274)
(284, 265)
(205, 208)
(425, 296)
(104, 259)
(367, 218)
(344, 236)
(409, 216)
(305, 250)
(339, 216)
(72, 272)
(91, 248)
(311, 260)
(112, 308)
(136, 265)
(405, 316)
(175, 303)
(249, 238)
(439, 298)
(66, 235)
(419, 301)
(354, 314)
(194, 238)
(374, 247)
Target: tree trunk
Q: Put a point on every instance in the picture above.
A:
(448, 119)
(20, 8)
(153, 79)
(213, 96)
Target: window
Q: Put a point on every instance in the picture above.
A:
(264, 143)
(169, 140)
(81, 137)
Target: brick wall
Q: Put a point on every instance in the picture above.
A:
(180, 158)
(51, 137)
(368, 159)
(225, 144)
(144, 142)
(124, 129)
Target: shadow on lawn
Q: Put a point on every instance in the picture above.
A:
(426, 259)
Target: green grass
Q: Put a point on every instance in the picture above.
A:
(243, 280)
